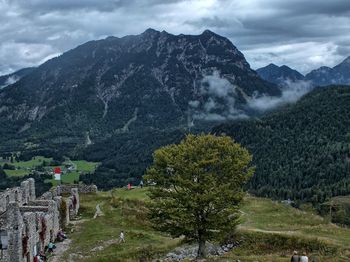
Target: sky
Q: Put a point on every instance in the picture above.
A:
(303, 34)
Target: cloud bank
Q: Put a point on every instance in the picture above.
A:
(291, 93)
(302, 34)
(10, 80)
(217, 99)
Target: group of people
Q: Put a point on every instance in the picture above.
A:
(129, 186)
(303, 258)
(41, 257)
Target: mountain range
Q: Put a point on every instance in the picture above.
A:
(323, 76)
(116, 100)
(106, 100)
(279, 75)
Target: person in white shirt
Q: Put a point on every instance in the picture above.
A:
(304, 258)
(122, 237)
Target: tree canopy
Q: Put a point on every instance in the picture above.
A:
(301, 152)
(197, 187)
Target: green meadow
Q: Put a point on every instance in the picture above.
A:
(270, 231)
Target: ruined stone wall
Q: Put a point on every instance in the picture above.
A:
(10, 195)
(29, 224)
(83, 189)
(32, 236)
(14, 228)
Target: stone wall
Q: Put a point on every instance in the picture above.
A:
(28, 224)
(83, 189)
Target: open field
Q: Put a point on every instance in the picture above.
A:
(270, 231)
(80, 166)
(24, 167)
(69, 176)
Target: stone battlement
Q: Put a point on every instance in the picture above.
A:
(82, 188)
(28, 224)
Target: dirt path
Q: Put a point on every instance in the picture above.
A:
(62, 247)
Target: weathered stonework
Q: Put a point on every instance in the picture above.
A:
(82, 188)
(28, 224)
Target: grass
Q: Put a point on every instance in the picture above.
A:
(122, 211)
(85, 166)
(17, 172)
(274, 224)
(270, 231)
(35, 161)
(81, 166)
(24, 168)
(68, 178)
(267, 215)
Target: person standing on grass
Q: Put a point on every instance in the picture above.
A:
(122, 237)
(295, 257)
(304, 258)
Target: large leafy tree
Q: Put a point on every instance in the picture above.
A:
(198, 187)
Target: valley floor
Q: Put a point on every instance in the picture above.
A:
(270, 231)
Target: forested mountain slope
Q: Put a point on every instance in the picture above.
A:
(115, 100)
(303, 151)
(12, 78)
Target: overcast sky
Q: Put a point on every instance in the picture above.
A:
(303, 34)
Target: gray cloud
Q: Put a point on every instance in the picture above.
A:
(217, 99)
(291, 93)
(9, 81)
(302, 34)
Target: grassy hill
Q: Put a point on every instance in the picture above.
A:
(270, 231)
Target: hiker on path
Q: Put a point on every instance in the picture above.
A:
(122, 237)
(304, 258)
(98, 212)
(141, 184)
(295, 257)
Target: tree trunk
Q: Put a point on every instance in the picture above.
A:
(201, 249)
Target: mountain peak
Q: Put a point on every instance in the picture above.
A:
(284, 67)
(150, 31)
(209, 33)
(279, 74)
(272, 65)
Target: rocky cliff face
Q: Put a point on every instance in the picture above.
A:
(111, 86)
